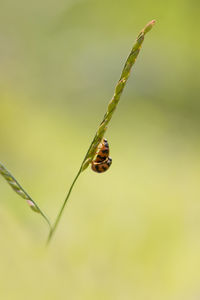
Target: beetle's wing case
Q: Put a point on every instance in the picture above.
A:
(101, 166)
(102, 152)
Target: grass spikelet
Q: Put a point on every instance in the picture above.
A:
(117, 94)
(108, 115)
(21, 192)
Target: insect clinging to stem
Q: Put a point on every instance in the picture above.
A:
(102, 161)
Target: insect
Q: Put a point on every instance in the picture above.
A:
(102, 161)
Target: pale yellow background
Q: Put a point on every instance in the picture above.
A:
(133, 232)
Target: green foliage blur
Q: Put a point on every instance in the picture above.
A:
(133, 232)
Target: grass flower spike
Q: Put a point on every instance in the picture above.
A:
(21, 192)
(117, 94)
(108, 115)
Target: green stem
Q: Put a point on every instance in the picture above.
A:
(52, 231)
(63, 206)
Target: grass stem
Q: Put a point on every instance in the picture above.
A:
(107, 117)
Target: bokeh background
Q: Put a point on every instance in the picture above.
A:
(133, 232)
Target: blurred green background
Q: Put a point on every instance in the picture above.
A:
(133, 232)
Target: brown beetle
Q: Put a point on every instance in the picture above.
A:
(102, 161)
